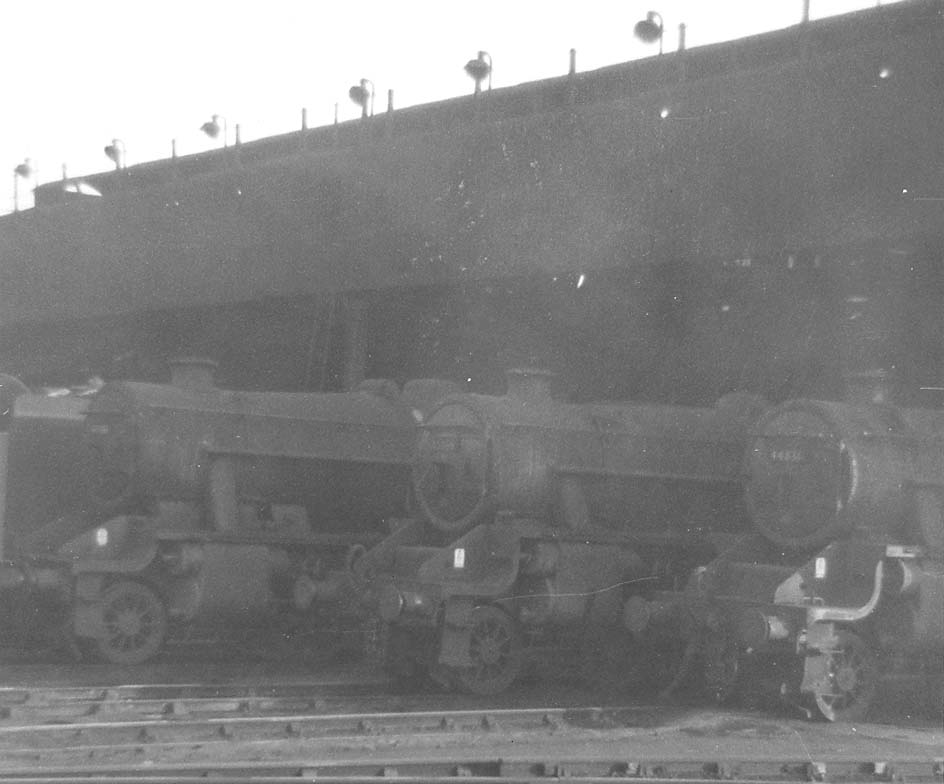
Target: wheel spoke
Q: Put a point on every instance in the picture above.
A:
(494, 651)
(851, 679)
(134, 623)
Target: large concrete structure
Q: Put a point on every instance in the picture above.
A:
(764, 214)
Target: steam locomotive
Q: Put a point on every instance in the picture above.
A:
(798, 546)
(853, 494)
(548, 517)
(137, 508)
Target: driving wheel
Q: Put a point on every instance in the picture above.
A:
(495, 651)
(852, 679)
(134, 624)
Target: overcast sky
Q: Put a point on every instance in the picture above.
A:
(80, 73)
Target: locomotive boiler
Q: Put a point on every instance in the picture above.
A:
(199, 506)
(551, 514)
(632, 467)
(337, 457)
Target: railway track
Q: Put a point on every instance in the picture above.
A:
(58, 704)
(498, 771)
(258, 729)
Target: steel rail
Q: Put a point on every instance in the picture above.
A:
(483, 770)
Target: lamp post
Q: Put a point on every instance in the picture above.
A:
(650, 30)
(214, 125)
(116, 153)
(479, 69)
(24, 170)
(362, 94)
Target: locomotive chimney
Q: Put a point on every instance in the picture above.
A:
(531, 385)
(193, 373)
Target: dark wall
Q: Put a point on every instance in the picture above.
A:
(466, 226)
(783, 142)
(781, 326)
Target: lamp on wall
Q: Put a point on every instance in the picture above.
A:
(214, 126)
(479, 69)
(25, 171)
(363, 94)
(116, 152)
(650, 30)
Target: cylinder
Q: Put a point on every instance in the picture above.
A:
(755, 628)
